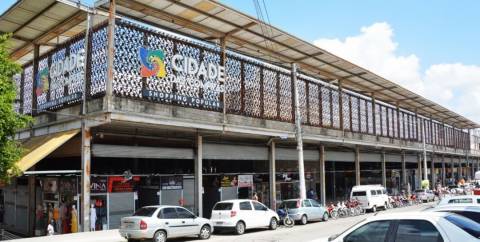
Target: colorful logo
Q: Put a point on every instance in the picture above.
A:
(153, 63)
(42, 82)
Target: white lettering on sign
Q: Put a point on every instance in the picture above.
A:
(72, 61)
(191, 66)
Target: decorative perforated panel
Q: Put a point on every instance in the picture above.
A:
(313, 104)
(252, 87)
(269, 93)
(346, 111)
(335, 109)
(355, 112)
(302, 99)
(233, 85)
(27, 89)
(286, 105)
(98, 67)
(326, 112)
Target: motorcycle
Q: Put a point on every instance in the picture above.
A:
(285, 217)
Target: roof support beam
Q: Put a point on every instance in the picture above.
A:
(62, 27)
(246, 26)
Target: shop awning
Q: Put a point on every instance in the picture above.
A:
(37, 148)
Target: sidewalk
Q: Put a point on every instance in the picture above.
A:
(101, 236)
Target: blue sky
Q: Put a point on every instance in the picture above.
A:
(429, 46)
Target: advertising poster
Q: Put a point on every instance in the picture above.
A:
(120, 184)
(245, 180)
(171, 182)
(229, 181)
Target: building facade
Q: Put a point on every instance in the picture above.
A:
(137, 108)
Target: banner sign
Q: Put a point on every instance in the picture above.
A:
(171, 182)
(245, 180)
(98, 185)
(120, 184)
(229, 181)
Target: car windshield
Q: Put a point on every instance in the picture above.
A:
(223, 206)
(145, 212)
(289, 204)
(465, 224)
(359, 194)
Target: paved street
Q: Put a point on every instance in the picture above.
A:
(298, 233)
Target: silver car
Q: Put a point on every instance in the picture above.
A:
(305, 210)
(425, 195)
(161, 222)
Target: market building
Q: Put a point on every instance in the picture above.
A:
(190, 102)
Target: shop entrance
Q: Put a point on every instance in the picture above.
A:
(211, 194)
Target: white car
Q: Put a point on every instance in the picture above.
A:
(370, 197)
(469, 211)
(161, 222)
(417, 226)
(240, 215)
(425, 195)
(465, 199)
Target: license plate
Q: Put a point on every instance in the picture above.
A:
(219, 222)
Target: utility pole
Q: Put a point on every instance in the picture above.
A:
(298, 134)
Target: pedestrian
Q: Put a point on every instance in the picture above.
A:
(311, 194)
(255, 197)
(50, 229)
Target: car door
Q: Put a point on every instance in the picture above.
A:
(188, 221)
(170, 221)
(309, 209)
(247, 213)
(261, 215)
(317, 209)
(417, 230)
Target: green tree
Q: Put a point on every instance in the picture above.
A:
(10, 121)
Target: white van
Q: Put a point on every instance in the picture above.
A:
(371, 197)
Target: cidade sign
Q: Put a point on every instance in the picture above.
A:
(191, 66)
(62, 67)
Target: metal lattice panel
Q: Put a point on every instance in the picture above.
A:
(326, 115)
(98, 68)
(370, 117)
(378, 128)
(302, 99)
(363, 116)
(314, 104)
(335, 109)
(17, 81)
(252, 90)
(414, 128)
(286, 105)
(395, 123)
(57, 84)
(27, 89)
(233, 85)
(346, 111)
(269, 93)
(390, 123)
(126, 78)
(77, 74)
(402, 125)
(211, 90)
(355, 119)
(384, 120)
(161, 84)
(41, 92)
(186, 83)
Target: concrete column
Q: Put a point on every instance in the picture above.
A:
(298, 135)
(444, 171)
(86, 165)
(432, 171)
(384, 169)
(357, 165)
(108, 102)
(31, 205)
(404, 171)
(419, 169)
(323, 187)
(272, 173)
(452, 168)
(199, 175)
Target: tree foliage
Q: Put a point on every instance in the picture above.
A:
(10, 121)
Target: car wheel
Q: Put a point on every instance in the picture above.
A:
(303, 220)
(325, 217)
(205, 232)
(160, 236)
(240, 228)
(374, 209)
(273, 224)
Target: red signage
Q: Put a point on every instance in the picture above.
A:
(120, 184)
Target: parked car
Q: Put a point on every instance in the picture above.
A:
(425, 195)
(162, 222)
(415, 226)
(242, 214)
(305, 210)
(370, 197)
(469, 211)
(465, 199)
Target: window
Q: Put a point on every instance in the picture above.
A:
(379, 192)
(306, 203)
(359, 194)
(315, 203)
(245, 206)
(464, 223)
(475, 216)
(461, 200)
(418, 231)
(478, 200)
(223, 206)
(289, 204)
(259, 207)
(145, 212)
(373, 192)
(168, 213)
(374, 231)
(183, 213)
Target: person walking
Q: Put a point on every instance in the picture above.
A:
(255, 197)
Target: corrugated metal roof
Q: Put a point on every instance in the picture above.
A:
(44, 22)
(207, 19)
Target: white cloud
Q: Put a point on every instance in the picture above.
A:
(453, 85)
